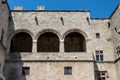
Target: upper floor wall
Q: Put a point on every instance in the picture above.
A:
(115, 30)
(62, 23)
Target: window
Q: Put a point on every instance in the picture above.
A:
(97, 35)
(25, 70)
(3, 2)
(119, 32)
(108, 25)
(67, 70)
(99, 55)
(101, 75)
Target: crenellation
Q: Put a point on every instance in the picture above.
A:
(41, 8)
(18, 8)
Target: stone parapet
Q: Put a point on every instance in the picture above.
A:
(72, 56)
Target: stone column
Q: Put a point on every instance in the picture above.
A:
(61, 45)
(34, 46)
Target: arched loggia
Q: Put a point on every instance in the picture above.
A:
(48, 42)
(21, 42)
(75, 42)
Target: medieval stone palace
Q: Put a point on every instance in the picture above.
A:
(58, 44)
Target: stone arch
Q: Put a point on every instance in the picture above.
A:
(21, 41)
(75, 30)
(18, 31)
(48, 30)
(48, 42)
(75, 41)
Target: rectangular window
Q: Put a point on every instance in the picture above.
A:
(25, 70)
(99, 55)
(97, 35)
(101, 75)
(67, 70)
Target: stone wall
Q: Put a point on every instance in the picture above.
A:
(50, 65)
(115, 27)
(46, 65)
(51, 71)
(104, 42)
(4, 13)
(74, 21)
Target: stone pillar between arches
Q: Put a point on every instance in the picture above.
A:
(61, 46)
(34, 46)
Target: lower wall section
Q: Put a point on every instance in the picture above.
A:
(110, 68)
(49, 71)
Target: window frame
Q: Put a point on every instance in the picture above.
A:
(67, 70)
(25, 70)
(99, 55)
(97, 35)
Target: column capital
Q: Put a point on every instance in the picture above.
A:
(34, 41)
(61, 40)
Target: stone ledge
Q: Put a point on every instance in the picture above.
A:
(71, 56)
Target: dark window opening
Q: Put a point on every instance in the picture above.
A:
(118, 32)
(115, 29)
(67, 70)
(48, 42)
(36, 20)
(108, 25)
(62, 20)
(97, 35)
(21, 42)
(75, 42)
(26, 70)
(10, 18)
(88, 20)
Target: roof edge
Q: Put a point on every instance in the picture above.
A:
(100, 18)
(114, 11)
(50, 10)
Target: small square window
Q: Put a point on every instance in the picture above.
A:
(97, 35)
(67, 70)
(25, 70)
(97, 52)
(101, 51)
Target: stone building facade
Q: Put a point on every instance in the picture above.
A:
(58, 45)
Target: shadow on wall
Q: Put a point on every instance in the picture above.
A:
(13, 69)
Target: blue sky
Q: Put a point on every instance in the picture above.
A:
(98, 8)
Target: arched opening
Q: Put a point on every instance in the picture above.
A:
(21, 42)
(75, 42)
(48, 42)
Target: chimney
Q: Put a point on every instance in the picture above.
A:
(40, 8)
(18, 8)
